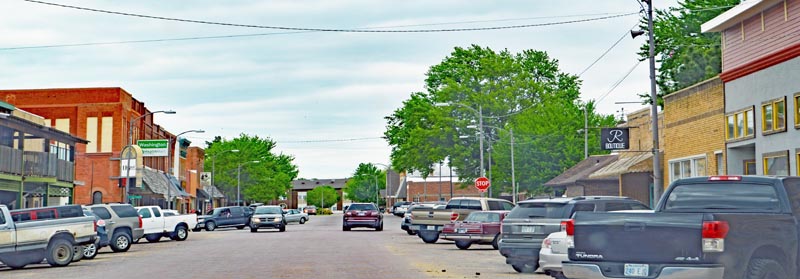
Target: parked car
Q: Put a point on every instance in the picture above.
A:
(480, 227)
(408, 216)
(362, 215)
(531, 221)
(310, 210)
(122, 222)
(30, 241)
(90, 250)
(270, 216)
(294, 215)
(429, 224)
(399, 204)
(157, 224)
(703, 227)
(234, 216)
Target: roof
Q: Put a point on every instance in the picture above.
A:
(308, 184)
(739, 13)
(158, 182)
(7, 106)
(582, 170)
(214, 191)
(624, 164)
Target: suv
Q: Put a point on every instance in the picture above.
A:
(234, 216)
(270, 216)
(123, 224)
(531, 221)
(362, 215)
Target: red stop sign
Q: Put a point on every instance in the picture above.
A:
(482, 183)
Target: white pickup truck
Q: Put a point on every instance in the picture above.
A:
(156, 224)
(53, 239)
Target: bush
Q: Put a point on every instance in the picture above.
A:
(325, 211)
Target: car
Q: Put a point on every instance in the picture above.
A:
(294, 215)
(553, 253)
(399, 204)
(233, 216)
(480, 227)
(122, 222)
(157, 224)
(429, 226)
(269, 216)
(311, 210)
(90, 250)
(408, 216)
(362, 215)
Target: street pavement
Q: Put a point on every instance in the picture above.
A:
(317, 249)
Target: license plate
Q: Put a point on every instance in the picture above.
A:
(462, 230)
(637, 270)
(528, 229)
(430, 228)
(361, 214)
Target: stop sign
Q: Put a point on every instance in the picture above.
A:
(482, 183)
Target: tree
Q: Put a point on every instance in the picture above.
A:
(686, 55)
(264, 181)
(365, 184)
(323, 196)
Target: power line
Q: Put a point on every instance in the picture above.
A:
(308, 141)
(334, 29)
(627, 32)
(616, 84)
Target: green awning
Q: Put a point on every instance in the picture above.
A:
(7, 106)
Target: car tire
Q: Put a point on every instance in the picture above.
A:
(240, 227)
(282, 228)
(77, 253)
(120, 242)
(429, 237)
(495, 241)
(463, 244)
(90, 251)
(60, 252)
(153, 238)
(302, 221)
(252, 230)
(181, 233)
(380, 227)
(765, 269)
(524, 268)
(196, 230)
(211, 226)
(345, 228)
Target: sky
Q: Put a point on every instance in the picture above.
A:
(322, 96)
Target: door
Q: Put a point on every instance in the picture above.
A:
(238, 216)
(149, 224)
(7, 236)
(225, 217)
(292, 216)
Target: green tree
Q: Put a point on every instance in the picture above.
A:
(323, 196)
(365, 184)
(685, 55)
(264, 181)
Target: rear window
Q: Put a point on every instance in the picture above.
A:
(532, 210)
(723, 196)
(69, 211)
(362, 207)
(483, 217)
(125, 211)
(101, 212)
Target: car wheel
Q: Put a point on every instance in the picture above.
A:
(77, 253)
(153, 238)
(463, 244)
(380, 227)
(180, 234)
(120, 242)
(524, 268)
(59, 252)
(346, 228)
(765, 269)
(429, 237)
(211, 226)
(495, 241)
(90, 251)
(283, 227)
(252, 230)
(302, 221)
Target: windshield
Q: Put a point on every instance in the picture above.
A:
(532, 210)
(269, 210)
(361, 207)
(723, 196)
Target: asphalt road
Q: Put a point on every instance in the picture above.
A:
(317, 249)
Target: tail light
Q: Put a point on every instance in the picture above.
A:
(568, 226)
(140, 222)
(714, 233)
(453, 217)
(725, 178)
(373, 213)
(546, 243)
(95, 225)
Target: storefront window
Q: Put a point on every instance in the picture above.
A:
(776, 164)
(686, 168)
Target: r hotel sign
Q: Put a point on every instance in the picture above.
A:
(614, 139)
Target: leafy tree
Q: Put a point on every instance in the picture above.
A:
(322, 196)
(686, 55)
(365, 184)
(264, 181)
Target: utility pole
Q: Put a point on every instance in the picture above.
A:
(480, 130)
(657, 173)
(514, 189)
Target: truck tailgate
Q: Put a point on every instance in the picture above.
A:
(638, 237)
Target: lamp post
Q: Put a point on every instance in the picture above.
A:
(239, 180)
(513, 177)
(130, 142)
(479, 113)
(169, 162)
(657, 175)
(214, 168)
(377, 188)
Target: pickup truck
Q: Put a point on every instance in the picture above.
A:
(428, 223)
(704, 227)
(157, 225)
(28, 242)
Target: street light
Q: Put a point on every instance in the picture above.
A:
(513, 177)
(479, 113)
(214, 168)
(130, 142)
(657, 175)
(377, 188)
(169, 163)
(239, 180)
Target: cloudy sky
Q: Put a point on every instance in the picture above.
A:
(322, 96)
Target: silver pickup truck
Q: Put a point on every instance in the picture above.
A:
(28, 242)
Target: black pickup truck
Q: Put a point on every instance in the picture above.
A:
(706, 227)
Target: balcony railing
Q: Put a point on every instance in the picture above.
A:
(39, 164)
(10, 160)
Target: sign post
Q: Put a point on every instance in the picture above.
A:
(482, 183)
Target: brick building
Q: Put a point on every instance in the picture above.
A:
(760, 62)
(101, 116)
(694, 133)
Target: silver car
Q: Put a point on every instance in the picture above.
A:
(270, 216)
(295, 215)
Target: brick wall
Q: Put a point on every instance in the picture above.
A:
(695, 124)
(417, 191)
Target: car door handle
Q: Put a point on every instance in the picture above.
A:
(112, 222)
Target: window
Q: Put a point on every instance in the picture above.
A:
(739, 124)
(2, 220)
(145, 213)
(798, 163)
(720, 164)
(97, 197)
(776, 163)
(106, 131)
(471, 204)
(91, 134)
(797, 110)
(685, 168)
(533, 210)
(101, 212)
(494, 205)
(124, 211)
(508, 206)
(722, 196)
(617, 206)
(749, 167)
(156, 212)
(582, 207)
(773, 116)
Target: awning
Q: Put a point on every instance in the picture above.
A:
(214, 191)
(177, 190)
(202, 194)
(626, 164)
(158, 183)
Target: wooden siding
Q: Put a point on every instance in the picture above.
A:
(779, 33)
